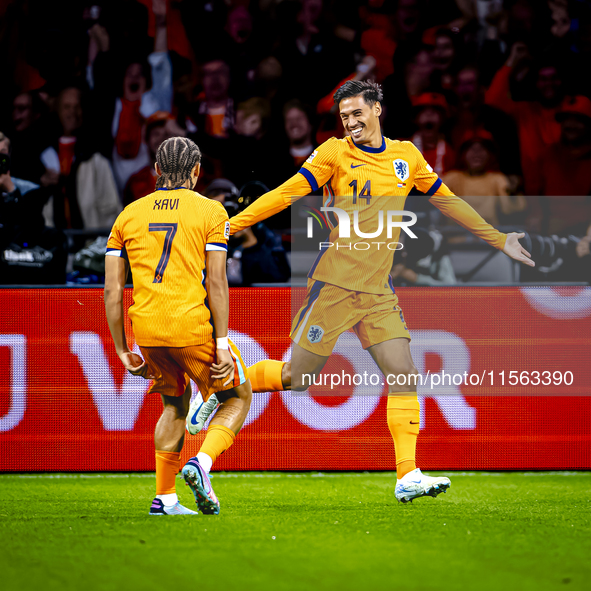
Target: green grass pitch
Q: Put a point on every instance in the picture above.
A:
(342, 531)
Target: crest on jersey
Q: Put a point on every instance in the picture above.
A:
(401, 169)
(227, 230)
(315, 334)
(312, 156)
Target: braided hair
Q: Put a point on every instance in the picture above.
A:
(176, 158)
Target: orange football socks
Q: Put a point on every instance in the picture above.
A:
(403, 422)
(217, 441)
(167, 467)
(265, 376)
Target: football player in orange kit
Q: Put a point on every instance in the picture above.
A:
(175, 242)
(365, 175)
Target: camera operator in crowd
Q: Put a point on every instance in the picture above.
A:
(30, 251)
(255, 255)
(424, 261)
(558, 258)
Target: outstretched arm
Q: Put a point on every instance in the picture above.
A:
(458, 210)
(272, 202)
(315, 173)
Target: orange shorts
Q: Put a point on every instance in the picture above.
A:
(174, 367)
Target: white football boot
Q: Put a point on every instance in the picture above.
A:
(199, 412)
(159, 508)
(415, 484)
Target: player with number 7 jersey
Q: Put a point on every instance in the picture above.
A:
(175, 241)
(165, 237)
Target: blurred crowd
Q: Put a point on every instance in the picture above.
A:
(493, 92)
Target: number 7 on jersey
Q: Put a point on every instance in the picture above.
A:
(170, 230)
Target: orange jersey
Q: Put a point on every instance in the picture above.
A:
(367, 182)
(165, 237)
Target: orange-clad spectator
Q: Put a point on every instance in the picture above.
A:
(535, 119)
(472, 113)
(565, 173)
(485, 190)
(431, 110)
(216, 108)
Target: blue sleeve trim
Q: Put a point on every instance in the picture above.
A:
(310, 178)
(220, 244)
(434, 188)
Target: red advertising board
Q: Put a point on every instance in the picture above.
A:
(66, 403)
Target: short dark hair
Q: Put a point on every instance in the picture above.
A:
(371, 91)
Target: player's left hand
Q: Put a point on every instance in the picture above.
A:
(224, 368)
(514, 250)
(583, 246)
(135, 365)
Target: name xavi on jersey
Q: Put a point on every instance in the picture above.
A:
(169, 204)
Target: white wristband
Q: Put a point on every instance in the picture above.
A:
(222, 343)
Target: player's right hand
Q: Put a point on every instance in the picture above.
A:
(224, 368)
(135, 365)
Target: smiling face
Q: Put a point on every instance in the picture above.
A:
(477, 158)
(444, 52)
(297, 126)
(360, 120)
